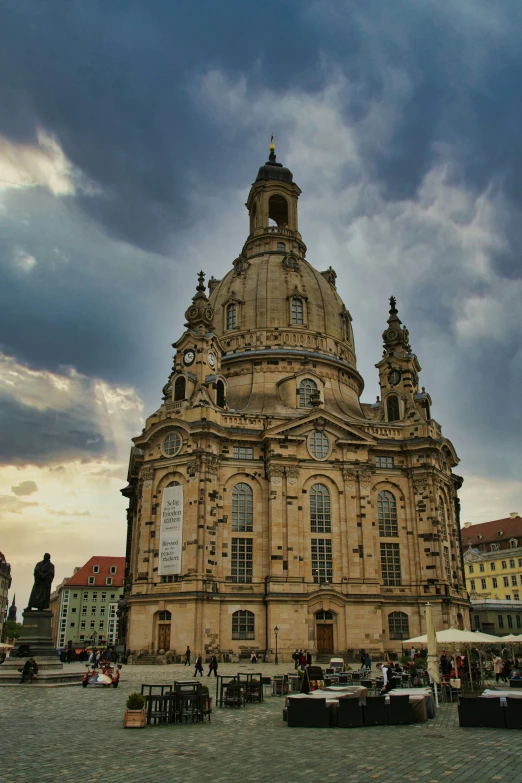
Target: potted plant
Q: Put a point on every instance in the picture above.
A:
(135, 716)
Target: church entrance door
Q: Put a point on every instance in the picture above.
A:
(325, 642)
(164, 638)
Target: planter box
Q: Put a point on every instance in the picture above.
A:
(134, 719)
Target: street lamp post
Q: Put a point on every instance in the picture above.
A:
(402, 646)
(276, 631)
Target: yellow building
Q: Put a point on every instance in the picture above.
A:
(264, 497)
(493, 559)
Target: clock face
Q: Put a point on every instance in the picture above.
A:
(394, 377)
(211, 359)
(189, 357)
(392, 334)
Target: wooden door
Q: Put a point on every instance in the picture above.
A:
(164, 638)
(325, 638)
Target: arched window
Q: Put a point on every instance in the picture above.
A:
(318, 445)
(297, 311)
(323, 614)
(179, 389)
(174, 484)
(243, 624)
(165, 615)
(281, 246)
(442, 518)
(320, 518)
(171, 444)
(398, 625)
(306, 387)
(392, 405)
(232, 316)
(387, 513)
(278, 210)
(242, 508)
(220, 394)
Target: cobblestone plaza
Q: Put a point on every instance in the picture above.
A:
(71, 734)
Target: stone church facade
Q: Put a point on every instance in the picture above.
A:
(304, 510)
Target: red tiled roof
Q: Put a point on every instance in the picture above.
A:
(80, 578)
(489, 531)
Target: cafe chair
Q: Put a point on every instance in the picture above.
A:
(515, 683)
(400, 711)
(308, 713)
(475, 711)
(349, 713)
(513, 713)
(375, 711)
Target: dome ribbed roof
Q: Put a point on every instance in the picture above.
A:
(274, 170)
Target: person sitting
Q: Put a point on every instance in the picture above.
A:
(29, 670)
(398, 667)
(515, 675)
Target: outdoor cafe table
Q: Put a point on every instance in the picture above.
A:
(421, 700)
(492, 694)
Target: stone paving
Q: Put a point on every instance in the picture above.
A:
(72, 734)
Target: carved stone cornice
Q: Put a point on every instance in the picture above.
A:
(351, 474)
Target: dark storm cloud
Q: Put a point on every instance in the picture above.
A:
(39, 437)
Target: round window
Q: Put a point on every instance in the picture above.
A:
(318, 445)
(171, 444)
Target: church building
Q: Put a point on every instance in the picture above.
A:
(268, 504)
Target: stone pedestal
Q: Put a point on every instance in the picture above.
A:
(36, 636)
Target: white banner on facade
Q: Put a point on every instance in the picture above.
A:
(171, 531)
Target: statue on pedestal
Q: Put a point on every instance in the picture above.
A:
(40, 597)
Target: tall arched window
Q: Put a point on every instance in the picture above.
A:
(392, 406)
(442, 518)
(232, 316)
(179, 389)
(387, 513)
(243, 624)
(306, 387)
(220, 394)
(281, 246)
(278, 210)
(297, 310)
(398, 625)
(242, 508)
(320, 518)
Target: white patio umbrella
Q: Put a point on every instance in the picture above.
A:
(433, 660)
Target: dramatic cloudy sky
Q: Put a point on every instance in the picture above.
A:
(130, 132)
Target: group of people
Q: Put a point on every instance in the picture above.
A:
(212, 665)
(505, 669)
(366, 661)
(301, 659)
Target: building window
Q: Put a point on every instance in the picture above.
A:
(516, 596)
(322, 569)
(384, 462)
(520, 562)
(447, 564)
(104, 596)
(506, 581)
(483, 584)
(92, 625)
(82, 625)
(164, 616)
(442, 518)
(242, 508)
(387, 513)
(90, 580)
(482, 568)
(220, 394)
(242, 560)
(493, 567)
(471, 569)
(472, 584)
(320, 519)
(495, 547)
(519, 625)
(324, 615)
(508, 598)
(241, 452)
(94, 597)
(84, 611)
(297, 311)
(93, 610)
(65, 596)
(243, 625)
(102, 611)
(108, 580)
(390, 564)
(514, 580)
(100, 625)
(318, 445)
(167, 578)
(85, 596)
(512, 564)
(504, 564)
(513, 543)
(281, 246)
(392, 406)
(510, 620)
(500, 621)
(179, 389)
(96, 569)
(306, 388)
(398, 627)
(171, 444)
(231, 316)
(477, 622)
(495, 582)
(112, 569)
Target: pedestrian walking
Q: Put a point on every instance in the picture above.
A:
(302, 660)
(213, 666)
(199, 665)
(388, 675)
(187, 656)
(498, 665)
(308, 658)
(367, 662)
(295, 658)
